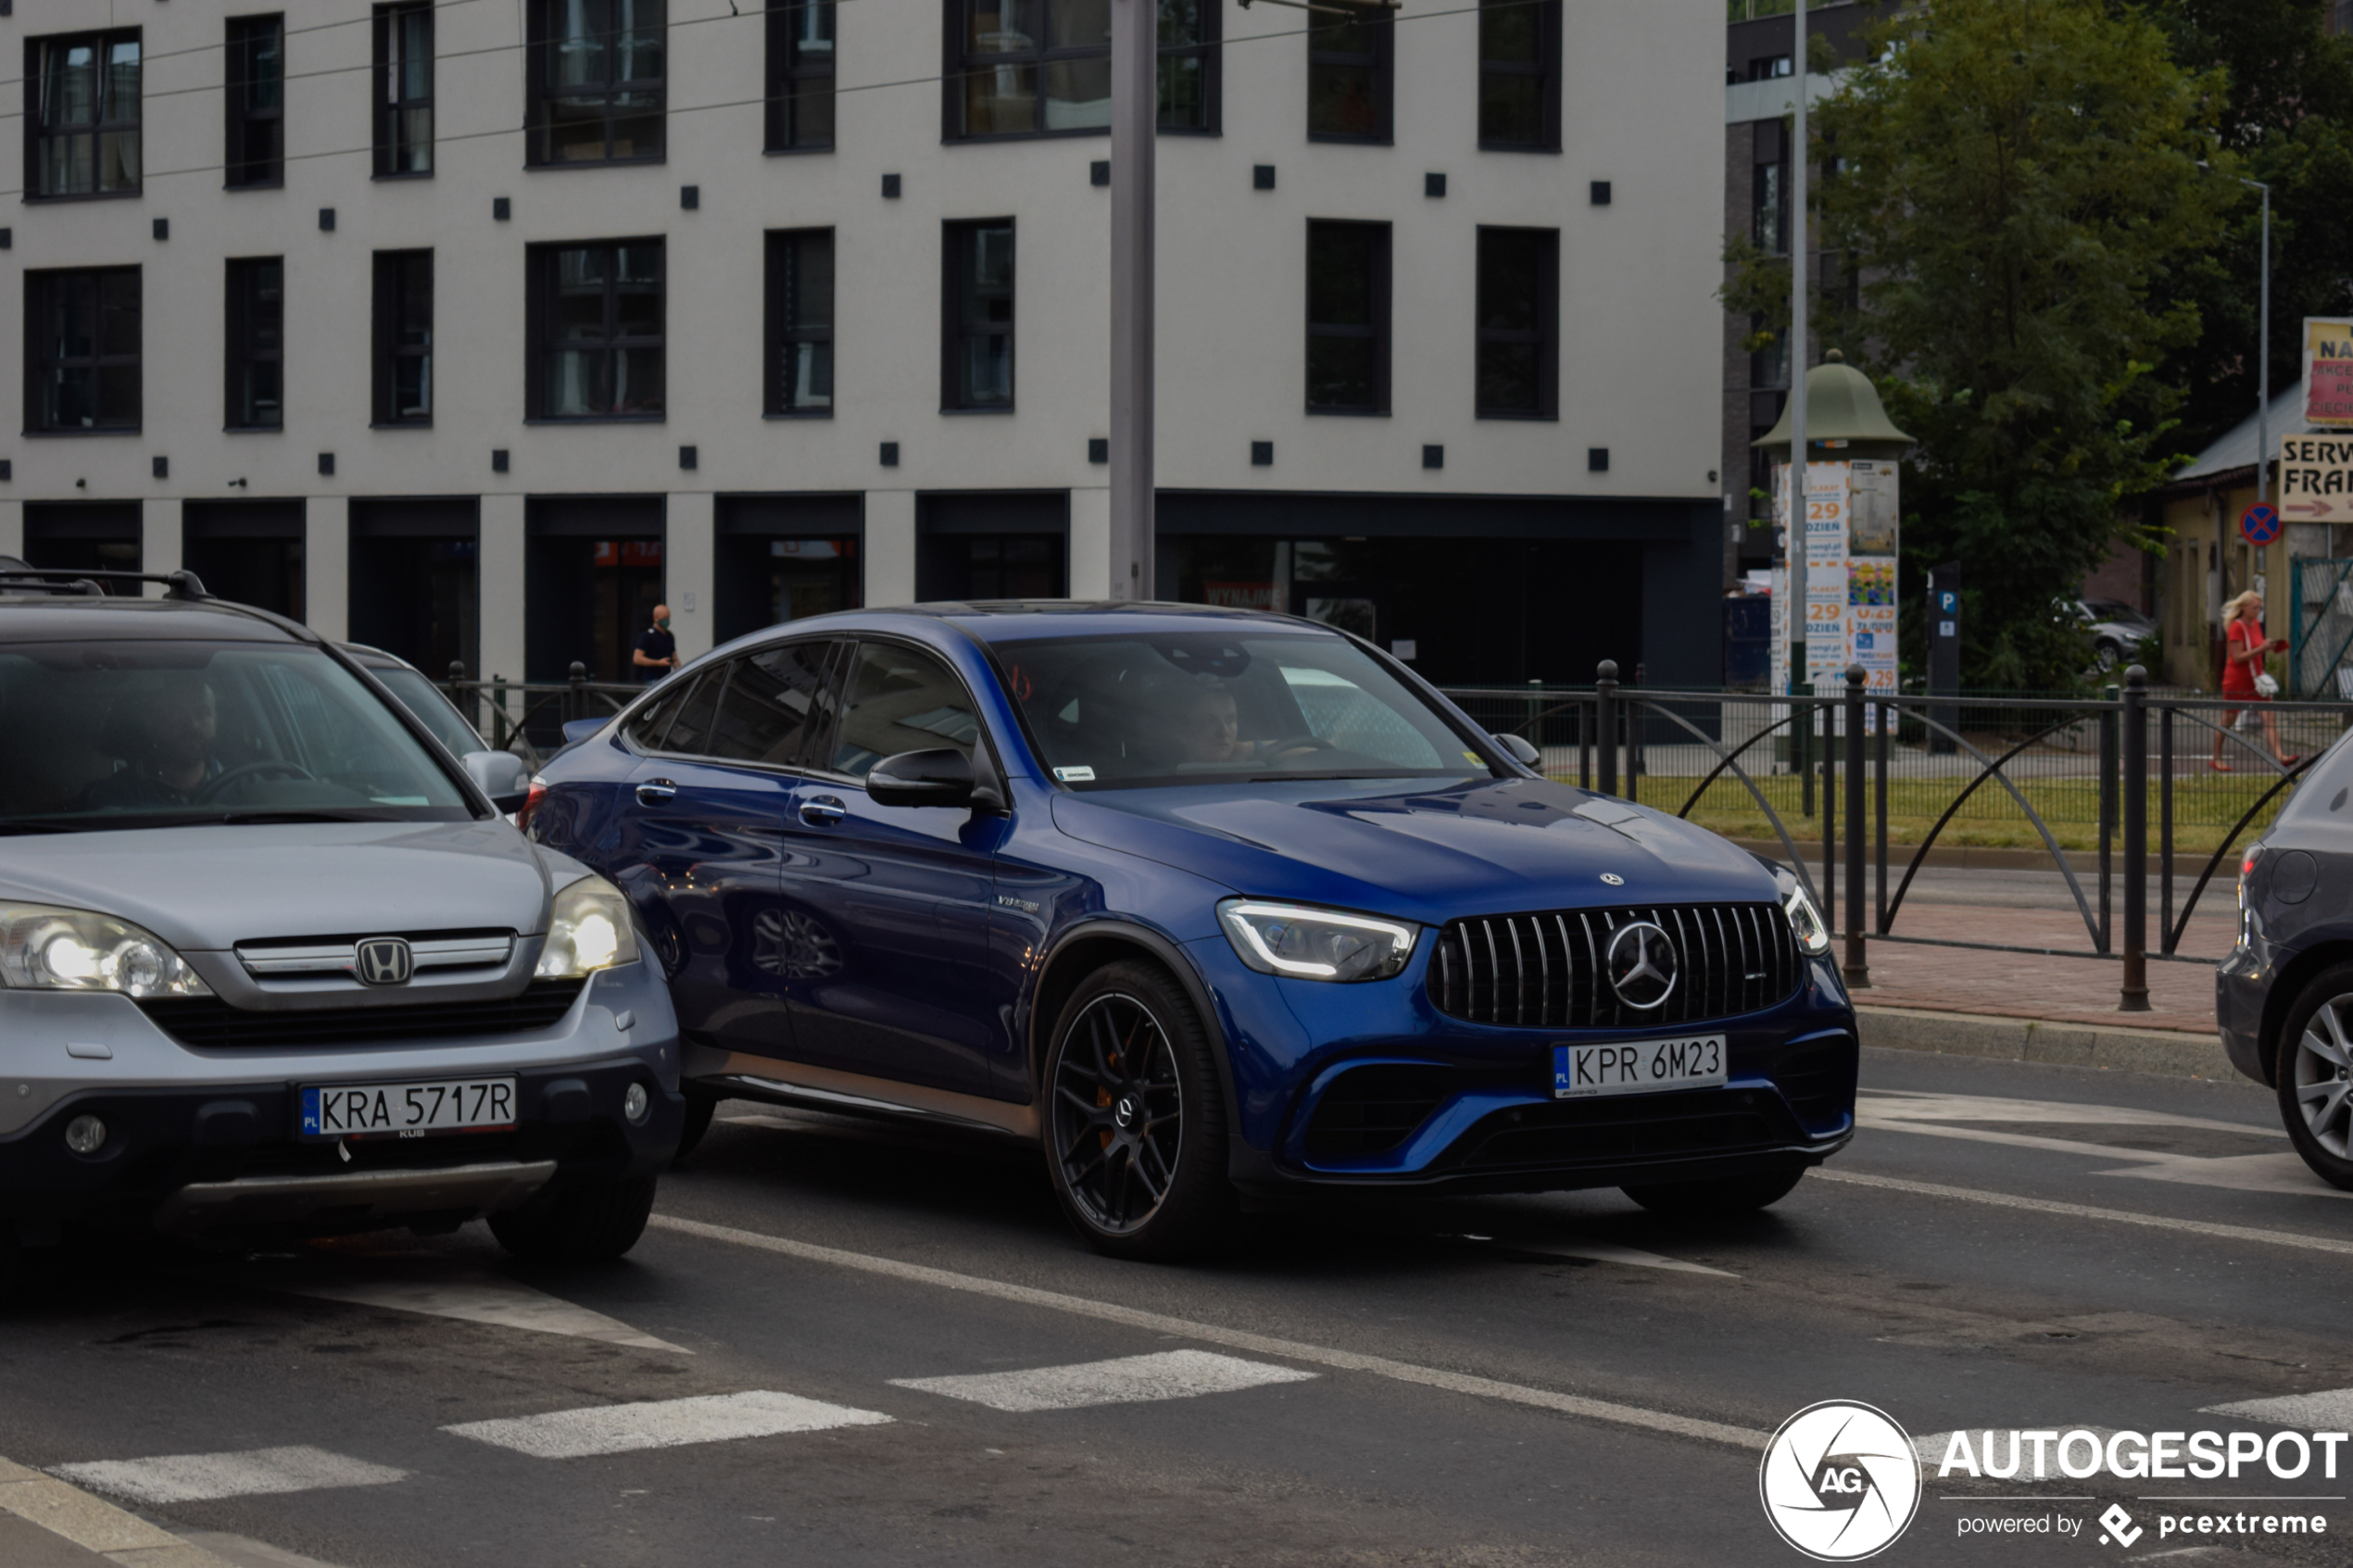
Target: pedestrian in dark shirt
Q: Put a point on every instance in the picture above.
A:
(656, 652)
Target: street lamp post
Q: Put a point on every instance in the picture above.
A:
(1797, 238)
(1135, 96)
(2264, 357)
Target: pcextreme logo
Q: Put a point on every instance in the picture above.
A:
(1840, 1481)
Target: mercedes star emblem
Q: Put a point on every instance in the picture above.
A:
(1641, 965)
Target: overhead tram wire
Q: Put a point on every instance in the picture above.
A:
(764, 99)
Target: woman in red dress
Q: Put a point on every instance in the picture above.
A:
(2245, 649)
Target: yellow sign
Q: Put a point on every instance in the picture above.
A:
(2316, 479)
(2328, 372)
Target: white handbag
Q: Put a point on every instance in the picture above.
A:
(2265, 686)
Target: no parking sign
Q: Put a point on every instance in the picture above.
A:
(2261, 524)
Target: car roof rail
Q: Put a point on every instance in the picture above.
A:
(184, 586)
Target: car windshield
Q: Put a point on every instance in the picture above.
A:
(99, 735)
(422, 699)
(1195, 708)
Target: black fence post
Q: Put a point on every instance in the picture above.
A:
(2108, 759)
(1802, 722)
(577, 699)
(1584, 747)
(1829, 711)
(1605, 723)
(2136, 998)
(1858, 968)
(1888, 717)
(2165, 827)
(1635, 738)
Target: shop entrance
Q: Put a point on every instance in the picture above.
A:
(249, 551)
(416, 585)
(785, 557)
(84, 537)
(593, 576)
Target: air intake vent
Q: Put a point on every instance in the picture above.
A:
(1551, 971)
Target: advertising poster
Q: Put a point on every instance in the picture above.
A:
(1852, 548)
(2328, 372)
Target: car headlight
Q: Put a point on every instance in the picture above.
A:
(1307, 943)
(591, 931)
(1804, 920)
(46, 948)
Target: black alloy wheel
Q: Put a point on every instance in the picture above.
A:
(2315, 1075)
(1135, 1119)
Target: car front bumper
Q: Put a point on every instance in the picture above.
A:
(206, 1140)
(1473, 1107)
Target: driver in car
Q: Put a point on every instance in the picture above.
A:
(168, 748)
(1212, 732)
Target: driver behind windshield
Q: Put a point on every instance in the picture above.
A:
(165, 734)
(1210, 730)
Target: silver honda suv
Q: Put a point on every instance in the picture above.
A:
(273, 962)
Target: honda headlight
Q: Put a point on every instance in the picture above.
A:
(591, 931)
(1804, 920)
(45, 948)
(1307, 943)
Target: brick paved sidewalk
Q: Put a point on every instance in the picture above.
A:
(2076, 990)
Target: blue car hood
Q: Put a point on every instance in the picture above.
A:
(1487, 846)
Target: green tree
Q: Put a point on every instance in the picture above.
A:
(2289, 115)
(2014, 191)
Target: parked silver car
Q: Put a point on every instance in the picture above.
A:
(271, 962)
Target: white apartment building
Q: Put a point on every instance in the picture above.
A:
(471, 328)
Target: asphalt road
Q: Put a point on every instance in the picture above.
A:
(1480, 1381)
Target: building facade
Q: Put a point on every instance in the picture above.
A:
(474, 331)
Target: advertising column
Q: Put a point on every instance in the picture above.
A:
(1871, 514)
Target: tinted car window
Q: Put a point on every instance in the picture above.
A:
(1206, 708)
(771, 705)
(647, 730)
(156, 734)
(900, 699)
(421, 698)
(690, 730)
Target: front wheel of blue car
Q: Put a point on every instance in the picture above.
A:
(1135, 1119)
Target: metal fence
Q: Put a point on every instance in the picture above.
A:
(526, 716)
(2320, 628)
(2132, 782)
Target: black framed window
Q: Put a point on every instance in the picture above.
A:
(403, 393)
(82, 349)
(1042, 67)
(978, 346)
(1767, 366)
(597, 92)
(1350, 78)
(596, 314)
(1519, 75)
(1347, 318)
(800, 74)
(801, 321)
(1519, 323)
(85, 130)
(404, 88)
(256, 357)
(1768, 208)
(256, 97)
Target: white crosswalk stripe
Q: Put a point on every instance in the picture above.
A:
(2330, 1409)
(1170, 1375)
(201, 1477)
(663, 1423)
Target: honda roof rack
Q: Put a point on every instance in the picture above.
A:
(182, 584)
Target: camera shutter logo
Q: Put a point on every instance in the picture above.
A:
(1642, 965)
(383, 960)
(1840, 1481)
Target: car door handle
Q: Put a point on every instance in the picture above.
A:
(653, 792)
(823, 812)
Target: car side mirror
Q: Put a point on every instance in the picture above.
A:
(940, 777)
(497, 774)
(1523, 751)
(578, 730)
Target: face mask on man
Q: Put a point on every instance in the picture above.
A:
(663, 624)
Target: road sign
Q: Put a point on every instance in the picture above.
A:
(2261, 524)
(2316, 479)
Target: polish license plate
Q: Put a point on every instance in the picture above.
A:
(452, 1104)
(1638, 1067)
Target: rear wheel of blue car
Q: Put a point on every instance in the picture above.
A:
(1135, 1118)
(2315, 1075)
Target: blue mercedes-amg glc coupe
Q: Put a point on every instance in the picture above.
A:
(1209, 903)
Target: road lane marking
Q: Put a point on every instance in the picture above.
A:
(480, 1297)
(2281, 1172)
(170, 1478)
(1130, 1380)
(2328, 1410)
(663, 1423)
(1921, 1105)
(2086, 1212)
(1233, 1339)
(1610, 1252)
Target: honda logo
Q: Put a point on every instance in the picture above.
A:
(383, 960)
